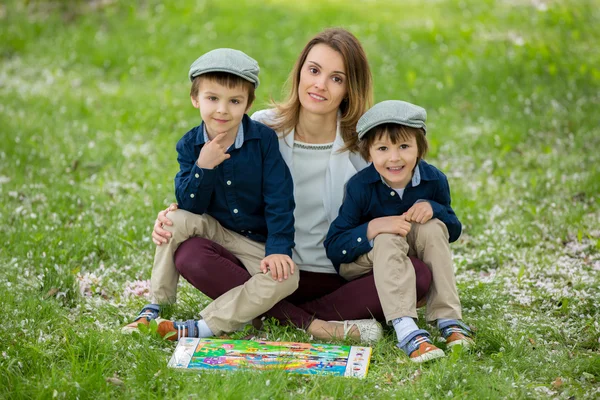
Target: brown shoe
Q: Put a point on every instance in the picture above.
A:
(458, 338)
(419, 347)
(147, 314)
(457, 333)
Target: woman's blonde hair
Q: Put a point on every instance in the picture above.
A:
(360, 86)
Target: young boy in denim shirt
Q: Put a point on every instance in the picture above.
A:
(396, 207)
(233, 188)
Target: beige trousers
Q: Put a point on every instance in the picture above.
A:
(241, 304)
(394, 274)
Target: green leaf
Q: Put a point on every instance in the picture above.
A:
(521, 273)
(143, 328)
(153, 326)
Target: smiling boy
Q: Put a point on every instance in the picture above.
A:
(233, 188)
(396, 207)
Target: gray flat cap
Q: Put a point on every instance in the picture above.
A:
(392, 111)
(226, 60)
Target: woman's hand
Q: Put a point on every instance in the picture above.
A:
(160, 235)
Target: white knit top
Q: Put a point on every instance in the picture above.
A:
(311, 161)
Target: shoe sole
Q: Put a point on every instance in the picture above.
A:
(129, 329)
(466, 343)
(431, 355)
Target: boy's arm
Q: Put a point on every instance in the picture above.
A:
(193, 185)
(278, 195)
(442, 209)
(347, 236)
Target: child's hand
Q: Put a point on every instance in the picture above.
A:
(420, 212)
(396, 224)
(159, 235)
(213, 152)
(280, 265)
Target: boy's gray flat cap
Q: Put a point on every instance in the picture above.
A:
(392, 111)
(226, 60)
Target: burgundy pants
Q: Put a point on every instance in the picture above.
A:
(213, 270)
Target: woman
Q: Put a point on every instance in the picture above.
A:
(331, 88)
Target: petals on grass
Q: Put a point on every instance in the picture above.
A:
(137, 289)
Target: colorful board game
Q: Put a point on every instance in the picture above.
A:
(299, 358)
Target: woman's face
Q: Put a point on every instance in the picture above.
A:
(323, 79)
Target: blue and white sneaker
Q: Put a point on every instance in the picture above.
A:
(419, 348)
(456, 332)
(148, 313)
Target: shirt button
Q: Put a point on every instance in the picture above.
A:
(343, 251)
(359, 240)
(235, 210)
(192, 195)
(197, 175)
(228, 183)
(393, 193)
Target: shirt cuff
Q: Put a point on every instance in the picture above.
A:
(199, 175)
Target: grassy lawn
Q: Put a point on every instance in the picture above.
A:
(94, 96)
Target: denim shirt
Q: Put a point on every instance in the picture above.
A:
(368, 197)
(250, 193)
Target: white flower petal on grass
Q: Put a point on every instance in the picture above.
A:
(137, 289)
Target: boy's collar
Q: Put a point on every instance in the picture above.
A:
(416, 178)
(421, 173)
(239, 137)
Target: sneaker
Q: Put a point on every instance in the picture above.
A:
(456, 333)
(148, 313)
(370, 330)
(180, 329)
(419, 348)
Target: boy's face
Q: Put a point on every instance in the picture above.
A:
(221, 108)
(394, 162)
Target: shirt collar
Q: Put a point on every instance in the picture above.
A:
(422, 172)
(416, 178)
(239, 138)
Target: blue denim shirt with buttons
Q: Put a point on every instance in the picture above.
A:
(250, 193)
(369, 197)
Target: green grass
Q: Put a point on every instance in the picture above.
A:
(93, 97)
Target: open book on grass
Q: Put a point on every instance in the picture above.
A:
(299, 358)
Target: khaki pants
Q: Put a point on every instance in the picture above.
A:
(241, 304)
(395, 276)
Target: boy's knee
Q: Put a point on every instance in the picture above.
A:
(178, 218)
(294, 281)
(387, 240)
(184, 222)
(432, 228)
(289, 285)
